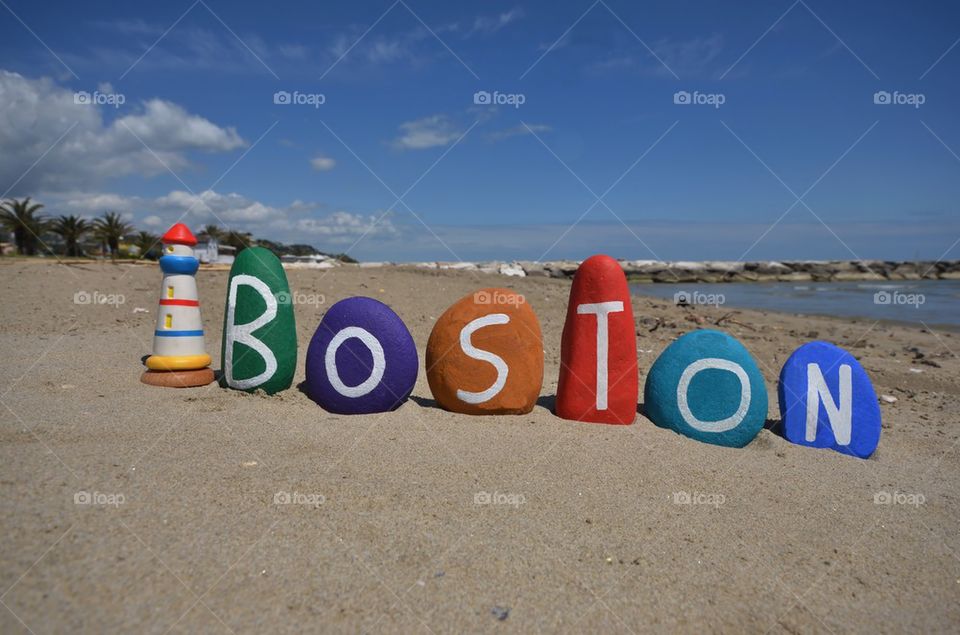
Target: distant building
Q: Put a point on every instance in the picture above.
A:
(210, 251)
(311, 261)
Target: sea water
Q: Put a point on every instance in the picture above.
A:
(931, 302)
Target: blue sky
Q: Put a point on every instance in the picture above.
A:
(798, 161)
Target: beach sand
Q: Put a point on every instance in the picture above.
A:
(584, 533)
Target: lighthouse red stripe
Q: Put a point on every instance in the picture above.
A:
(165, 302)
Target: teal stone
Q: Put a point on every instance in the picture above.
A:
(706, 385)
(259, 331)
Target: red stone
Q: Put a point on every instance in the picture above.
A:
(179, 234)
(598, 281)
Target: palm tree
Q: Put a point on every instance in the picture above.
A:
(72, 229)
(239, 240)
(27, 225)
(146, 242)
(214, 231)
(110, 229)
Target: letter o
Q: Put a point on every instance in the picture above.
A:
(376, 373)
(721, 425)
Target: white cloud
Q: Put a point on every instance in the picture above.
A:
(188, 47)
(376, 49)
(211, 207)
(428, 132)
(35, 113)
(165, 126)
(691, 56)
(342, 226)
(516, 131)
(86, 204)
(134, 26)
(488, 24)
(298, 221)
(322, 163)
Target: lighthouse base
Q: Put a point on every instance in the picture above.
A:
(178, 362)
(178, 378)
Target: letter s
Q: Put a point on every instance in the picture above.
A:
(484, 356)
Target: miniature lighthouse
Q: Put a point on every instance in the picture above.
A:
(179, 358)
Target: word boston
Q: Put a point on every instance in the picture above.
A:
(485, 356)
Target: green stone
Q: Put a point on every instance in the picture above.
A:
(259, 332)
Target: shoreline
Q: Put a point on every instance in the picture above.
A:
(736, 305)
(564, 270)
(637, 271)
(710, 271)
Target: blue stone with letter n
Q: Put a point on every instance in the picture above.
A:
(707, 386)
(827, 401)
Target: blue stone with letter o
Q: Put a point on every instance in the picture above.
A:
(707, 386)
(827, 401)
(362, 359)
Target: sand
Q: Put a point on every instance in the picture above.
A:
(384, 531)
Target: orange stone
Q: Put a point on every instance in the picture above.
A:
(178, 378)
(485, 355)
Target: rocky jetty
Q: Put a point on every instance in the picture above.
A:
(711, 270)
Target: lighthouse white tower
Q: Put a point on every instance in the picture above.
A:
(178, 338)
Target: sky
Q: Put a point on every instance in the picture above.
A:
(414, 130)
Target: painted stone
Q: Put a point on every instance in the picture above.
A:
(362, 359)
(178, 378)
(598, 350)
(827, 401)
(485, 355)
(705, 385)
(259, 347)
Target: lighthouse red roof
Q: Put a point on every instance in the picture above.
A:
(179, 234)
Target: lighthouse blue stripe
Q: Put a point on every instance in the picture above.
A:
(178, 333)
(185, 265)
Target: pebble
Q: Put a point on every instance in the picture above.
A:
(707, 386)
(485, 355)
(362, 359)
(598, 349)
(259, 346)
(845, 415)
